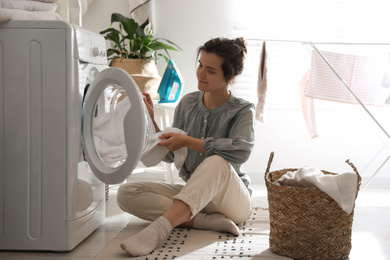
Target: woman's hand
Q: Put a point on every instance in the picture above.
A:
(175, 141)
(149, 104)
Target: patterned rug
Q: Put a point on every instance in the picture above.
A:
(185, 243)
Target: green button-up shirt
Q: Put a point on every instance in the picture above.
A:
(227, 131)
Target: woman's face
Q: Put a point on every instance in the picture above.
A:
(209, 73)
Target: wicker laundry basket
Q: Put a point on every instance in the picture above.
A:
(306, 223)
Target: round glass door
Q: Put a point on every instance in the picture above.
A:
(114, 125)
(107, 124)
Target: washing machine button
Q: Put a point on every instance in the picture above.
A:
(95, 51)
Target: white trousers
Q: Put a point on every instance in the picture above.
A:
(213, 187)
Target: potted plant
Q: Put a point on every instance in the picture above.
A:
(134, 49)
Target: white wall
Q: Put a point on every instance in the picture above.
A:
(345, 130)
(98, 16)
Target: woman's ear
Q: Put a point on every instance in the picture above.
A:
(230, 80)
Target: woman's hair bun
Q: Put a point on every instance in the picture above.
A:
(241, 43)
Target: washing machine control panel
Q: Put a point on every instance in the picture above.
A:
(91, 47)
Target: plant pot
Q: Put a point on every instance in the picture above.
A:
(144, 73)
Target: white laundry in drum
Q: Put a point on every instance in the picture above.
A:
(108, 128)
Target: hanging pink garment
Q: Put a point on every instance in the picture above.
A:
(262, 85)
(307, 106)
(364, 75)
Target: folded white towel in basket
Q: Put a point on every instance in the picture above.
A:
(341, 187)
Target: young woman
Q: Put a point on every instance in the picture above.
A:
(219, 136)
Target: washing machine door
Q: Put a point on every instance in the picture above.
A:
(113, 125)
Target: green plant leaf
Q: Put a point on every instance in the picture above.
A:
(116, 17)
(130, 27)
(111, 52)
(109, 30)
(113, 37)
(171, 43)
(161, 46)
(165, 58)
(144, 24)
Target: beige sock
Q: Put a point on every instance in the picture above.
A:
(147, 240)
(217, 222)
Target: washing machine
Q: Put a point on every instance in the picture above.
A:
(69, 124)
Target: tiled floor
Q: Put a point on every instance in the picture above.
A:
(370, 240)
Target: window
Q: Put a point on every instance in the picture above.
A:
(285, 24)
